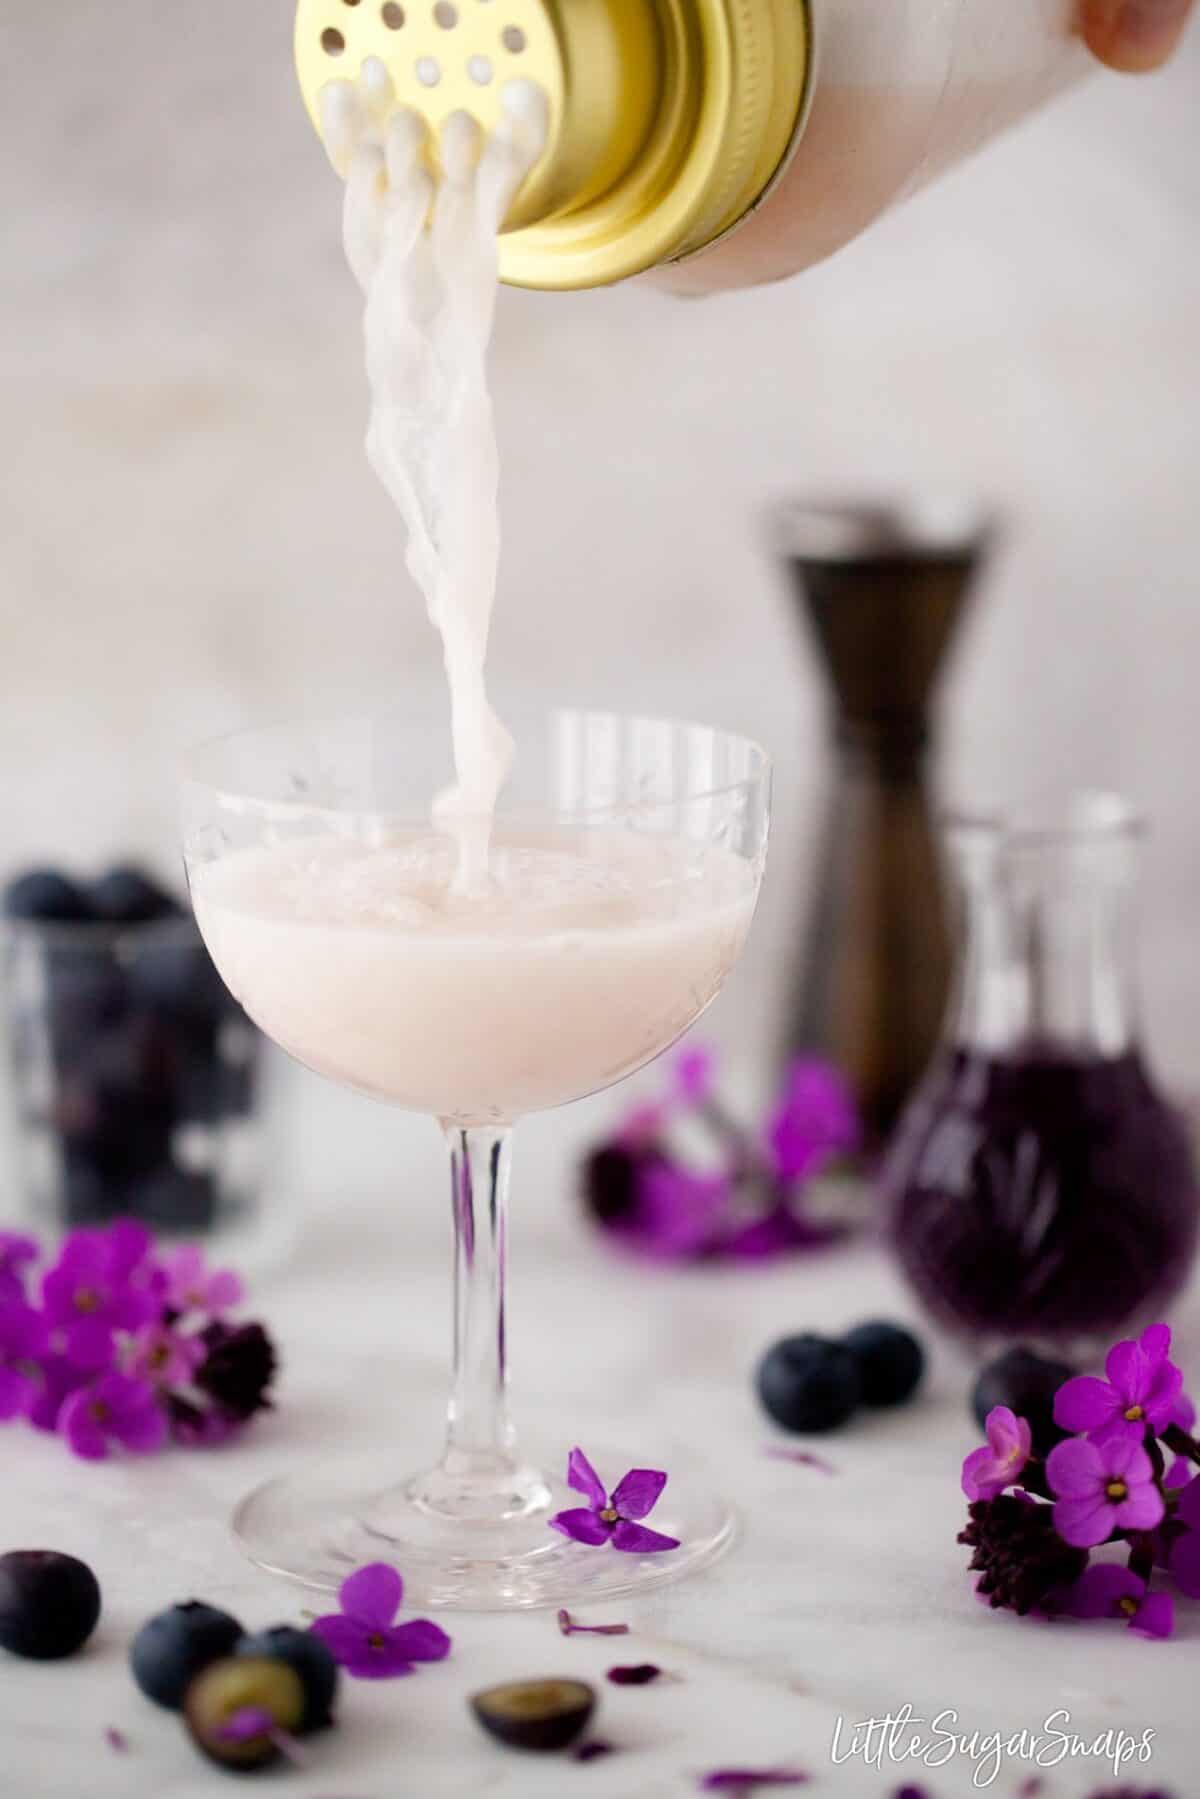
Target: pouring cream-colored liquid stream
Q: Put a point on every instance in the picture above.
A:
(423, 248)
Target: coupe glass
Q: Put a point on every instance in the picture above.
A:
(476, 1023)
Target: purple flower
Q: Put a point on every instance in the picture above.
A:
(998, 1462)
(814, 1119)
(1141, 1390)
(189, 1286)
(89, 1290)
(113, 1409)
(605, 1520)
(363, 1638)
(238, 1367)
(1106, 1590)
(1184, 1557)
(1179, 1474)
(15, 1251)
(1102, 1487)
(163, 1356)
(199, 1427)
(23, 1341)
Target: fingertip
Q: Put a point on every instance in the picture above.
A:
(1133, 37)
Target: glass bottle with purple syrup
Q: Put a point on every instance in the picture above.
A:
(1039, 1186)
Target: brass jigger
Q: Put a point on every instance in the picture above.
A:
(883, 590)
(670, 120)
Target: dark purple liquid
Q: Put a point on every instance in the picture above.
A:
(1041, 1195)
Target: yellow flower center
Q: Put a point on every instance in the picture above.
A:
(99, 1411)
(1116, 1490)
(1134, 1414)
(375, 1641)
(610, 1516)
(86, 1300)
(1128, 1606)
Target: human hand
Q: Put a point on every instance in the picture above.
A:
(1133, 35)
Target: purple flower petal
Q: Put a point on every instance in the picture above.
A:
(89, 1345)
(639, 1492)
(248, 1722)
(1126, 1458)
(17, 1394)
(582, 1478)
(129, 1243)
(420, 1640)
(638, 1674)
(128, 1410)
(1184, 1564)
(1084, 1522)
(582, 1525)
(1128, 1369)
(1096, 1593)
(590, 1752)
(1074, 1469)
(804, 1457)
(1156, 1341)
(1142, 1510)
(694, 1073)
(1163, 1389)
(344, 1640)
(1084, 1403)
(815, 1118)
(1189, 1503)
(1155, 1616)
(1183, 1412)
(224, 1290)
(1179, 1474)
(116, 1739)
(984, 1475)
(78, 1423)
(24, 1336)
(372, 1595)
(636, 1539)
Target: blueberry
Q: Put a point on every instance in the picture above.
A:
(171, 1649)
(47, 896)
(241, 1685)
(809, 1383)
(308, 1657)
(890, 1361)
(535, 1714)
(1026, 1383)
(125, 895)
(49, 1603)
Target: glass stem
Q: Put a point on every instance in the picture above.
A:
(480, 1441)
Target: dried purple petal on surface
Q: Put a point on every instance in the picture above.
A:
(804, 1457)
(1029, 1789)
(116, 1739)
(636, 1674)
(590, 1752)
(570, 1628)
(746, 1781)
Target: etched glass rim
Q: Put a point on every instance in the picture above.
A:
(235, 794)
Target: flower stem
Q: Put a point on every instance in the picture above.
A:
(1141, 1554)
(1178, 1439)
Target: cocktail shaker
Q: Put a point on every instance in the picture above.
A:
(673, 122)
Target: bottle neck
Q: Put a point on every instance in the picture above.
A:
(1046, 959)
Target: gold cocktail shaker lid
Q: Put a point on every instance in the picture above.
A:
(669, 119)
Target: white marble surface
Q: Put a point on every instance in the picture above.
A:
(845, 1596)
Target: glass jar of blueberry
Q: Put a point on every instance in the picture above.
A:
(134, 1071)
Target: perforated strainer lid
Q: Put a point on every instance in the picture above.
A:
(669, 119)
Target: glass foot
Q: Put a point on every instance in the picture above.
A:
(315, 1528)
